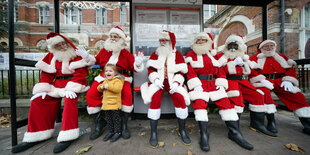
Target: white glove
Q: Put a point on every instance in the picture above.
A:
(173, 88)
(158, 84)
(70, 94)
(139, 59)
(43, 94)
(288, 86)
(198, 89)
(267, 84)
(83, 53)
(238, 61)
(220, 88)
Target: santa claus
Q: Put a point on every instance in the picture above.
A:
(207, 81)
(278, 69)
(239, 70)
(63, 76)
(114, 52)
(166, 69)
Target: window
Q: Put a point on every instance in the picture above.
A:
(101, 15)
(208, 11)
(123, 13)
(304, 30)
(307, 15)
(44, 15)
(73, 16)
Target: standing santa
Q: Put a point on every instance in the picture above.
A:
(114, 52)
(63, 75)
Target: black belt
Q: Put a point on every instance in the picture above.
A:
(273, 76)
(207, 77)
(237, 77)
(63, 77)
(123, 71)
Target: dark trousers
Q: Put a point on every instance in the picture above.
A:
(114, 120)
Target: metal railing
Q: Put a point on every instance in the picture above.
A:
(303, 69)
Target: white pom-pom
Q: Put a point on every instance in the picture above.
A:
(246, 57)
(213, 52)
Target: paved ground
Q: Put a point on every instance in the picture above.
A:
(288, 125)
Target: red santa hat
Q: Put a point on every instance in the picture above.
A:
(208, 36)
(169, 36)
(55, 38)
(264, 43)
(238, 39)
(120, 32)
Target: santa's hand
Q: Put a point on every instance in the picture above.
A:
(238, 61)
(267, 84)
(70, 94)
(139, 59)
(43, 94)
(198, 89)
(173, 88)
(83, 53)
(220, 88)
(288, 86)
(158, 84)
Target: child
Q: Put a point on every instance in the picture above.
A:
(111, 89)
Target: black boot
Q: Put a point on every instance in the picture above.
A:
(100, 123)
(306, 123)
(257, 124)
(271, 126)
(235, 135)
(61, 146)
(153, 139)
(115, 137)
(182, 131)
(108, 136)
(204, 139)
(239, 116)
(125, 131)
(23, 146)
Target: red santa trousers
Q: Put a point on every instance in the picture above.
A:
(42, 116)
(94, 98)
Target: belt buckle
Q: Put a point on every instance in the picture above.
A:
(62, 78)
(273, 76)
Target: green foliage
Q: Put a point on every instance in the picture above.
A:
(91, 75)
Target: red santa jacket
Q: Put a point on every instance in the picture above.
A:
(76, 69)
(277, 64)
(176, 68)
(246, 69)
(205, 64)
(123, 60)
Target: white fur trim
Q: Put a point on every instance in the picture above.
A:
(257, 78)
(127, 109)
(120, 33)
(138, 69)
(223, 60)
(291, 79)
(260, 91)
(147, 92)
(76, 87)
(41, 87)
(229, 115)
(239, 109)
(68, 135)
(38, 136)
(291, 62)
(54, 40)
(221, 82)
(262, 59)
(199, 95)
(195, 64)
(181, 113)
(65, 68)
(231, 67)
(233, 93)
(193, 82)
(99, 78)
(217, 95)
(93, 110)
(114, 58)
(271, 108)
(153, 76)
(164, 35)
(128, 79)
(48, 68)
(213, 52)
(302, 112)
(82, 63)
(257, 108)
(265, 42)
(201, 115)
(153, 114)
(181, 90)
(178, 78)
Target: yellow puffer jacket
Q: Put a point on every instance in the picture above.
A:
(112, 96)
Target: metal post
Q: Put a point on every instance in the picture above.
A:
(12, 74)
(264, 22)
(282, 33)
(56, 16)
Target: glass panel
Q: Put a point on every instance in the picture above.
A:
(307, 15)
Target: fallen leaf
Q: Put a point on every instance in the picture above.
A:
(174, 144)
(82, 150)
(189, 152)
(161, 144)
(142, 133)
(294, 147)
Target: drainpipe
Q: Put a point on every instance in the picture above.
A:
(282, 33)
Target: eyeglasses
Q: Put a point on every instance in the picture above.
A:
(114, 36)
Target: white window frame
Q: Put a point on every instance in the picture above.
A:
(208, 16)
(45, 17)
(303, 31)
(101, 14)
(123, 13)
(69, 16)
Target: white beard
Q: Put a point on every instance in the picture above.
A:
(232, 53)
(66, 55)
(164, 50)
(114, 46)
(268, 53)
(200, 49)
